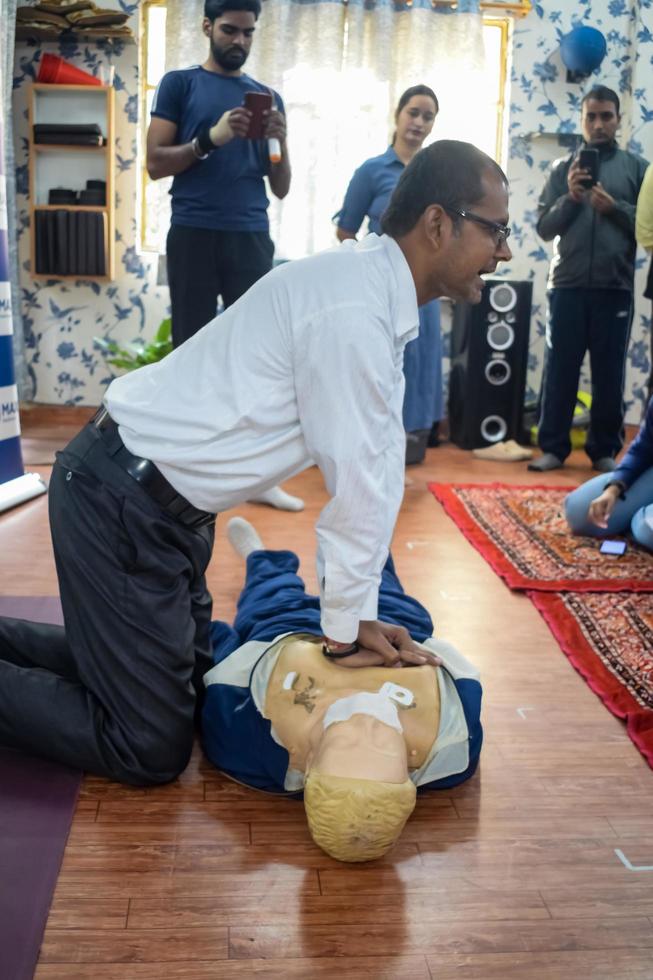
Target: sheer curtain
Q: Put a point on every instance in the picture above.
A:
(340, 68)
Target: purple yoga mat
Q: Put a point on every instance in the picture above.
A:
(41, 609)
(37, 803)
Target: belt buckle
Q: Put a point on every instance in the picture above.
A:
(100, 417)
(194, 518)
(205, 520)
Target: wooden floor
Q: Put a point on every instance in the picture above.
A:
(513, 875)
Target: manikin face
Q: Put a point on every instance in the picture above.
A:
(415, 121)
(361, 748)
(471, 249)
(231, 38)
(599, 122)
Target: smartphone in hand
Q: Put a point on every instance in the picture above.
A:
(588, 159)
(257, 103)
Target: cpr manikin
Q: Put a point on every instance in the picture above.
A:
(282, 717)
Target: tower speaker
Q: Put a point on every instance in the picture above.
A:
(489, 355)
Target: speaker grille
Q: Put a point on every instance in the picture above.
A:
(503, 297)
(500, 336)
(489, 353)
(494, 428)
(498, 372)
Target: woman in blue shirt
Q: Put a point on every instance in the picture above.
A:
(613, 503)
(368, 195)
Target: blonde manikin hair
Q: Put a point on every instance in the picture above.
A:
(356, 819)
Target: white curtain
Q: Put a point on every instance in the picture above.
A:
(340, 68)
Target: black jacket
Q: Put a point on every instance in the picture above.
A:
(591, 249)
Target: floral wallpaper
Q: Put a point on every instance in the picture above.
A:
(544, 116)
(61, 319)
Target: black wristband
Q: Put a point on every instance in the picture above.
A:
(621, 487)
(341, 653)
(204, 140)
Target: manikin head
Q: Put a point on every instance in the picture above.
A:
(351, 735)
(357, 791)
(449, 215)
(229, 26)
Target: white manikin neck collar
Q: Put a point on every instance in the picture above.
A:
(382, 706)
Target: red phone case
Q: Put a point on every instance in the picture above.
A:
(257, 103)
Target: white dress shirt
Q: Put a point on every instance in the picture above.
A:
(306, 367)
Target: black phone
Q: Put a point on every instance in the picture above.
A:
(588, 159)
(617, 548)
(257, 103)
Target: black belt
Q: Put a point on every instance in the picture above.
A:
(149, 477)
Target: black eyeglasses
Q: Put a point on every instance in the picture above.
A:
(501, 232)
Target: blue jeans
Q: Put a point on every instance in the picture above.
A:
(423, 372)
(579, 320)
(274, 601)
(629, 514)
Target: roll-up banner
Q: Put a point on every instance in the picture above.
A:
(15, 485)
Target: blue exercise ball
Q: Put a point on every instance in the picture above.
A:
(583, 49)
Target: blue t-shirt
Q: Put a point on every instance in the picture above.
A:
(226, 191)
(369, 192)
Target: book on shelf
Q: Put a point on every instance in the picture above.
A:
(68, 134)
(71, 243)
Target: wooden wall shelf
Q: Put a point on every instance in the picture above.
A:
(62, 165)
(67, 148)
(24, 32)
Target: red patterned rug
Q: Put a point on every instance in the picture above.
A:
(521, 531)
(609, 640)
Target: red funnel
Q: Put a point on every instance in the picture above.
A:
(56, 71)
(47, 68)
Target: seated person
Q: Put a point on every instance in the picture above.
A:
(615, 502)
(282, 717)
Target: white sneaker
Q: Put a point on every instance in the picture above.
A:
(504, 452)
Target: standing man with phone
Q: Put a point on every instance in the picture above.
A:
(588, 207)
(210, 132)
(219, 132)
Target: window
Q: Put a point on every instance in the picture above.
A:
(155, 209)
(496, 35)
(482, 121)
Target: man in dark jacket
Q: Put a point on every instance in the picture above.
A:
(590, 286)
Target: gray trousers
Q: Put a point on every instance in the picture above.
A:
(114, 691)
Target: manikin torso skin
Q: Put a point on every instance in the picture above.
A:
(304, 684)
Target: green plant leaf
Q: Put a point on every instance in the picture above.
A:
(164, 333)
(120, 362)
(109, 346)
(138, 353)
